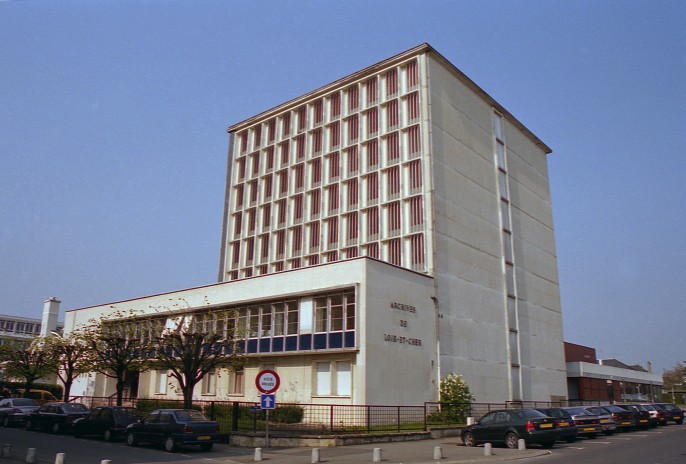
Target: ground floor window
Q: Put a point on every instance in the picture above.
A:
(333, 378)
(161, 383)
(208, 384)
(236, 383)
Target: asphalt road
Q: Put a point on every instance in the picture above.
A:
(663, 445)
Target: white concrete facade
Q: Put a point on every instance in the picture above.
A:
(408, 185)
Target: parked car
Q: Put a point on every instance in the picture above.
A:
(40, 396)
(641, 415)
(56, 417)
(108, 422)
(623, 418)
(508, 426)
(587, 424)
(174, 427)
(664, 415)
(654, 419)
(563, 422)
(13, 411)
(608, 424)
(676, 412)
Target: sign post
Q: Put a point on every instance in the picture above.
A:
(267, 381)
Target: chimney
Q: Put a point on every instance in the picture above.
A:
(51, 310)
(649, 367)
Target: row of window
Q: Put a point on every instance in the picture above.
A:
(269, 182)
(329, 379)
(407, 251)
(314, 200)
(376, 94)
(285, 225)
(19, 327)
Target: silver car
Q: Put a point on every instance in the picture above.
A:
(13, 411)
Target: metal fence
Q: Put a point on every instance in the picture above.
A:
(324, 419)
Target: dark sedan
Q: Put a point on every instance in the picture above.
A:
(676, 414)
(624, 419)
(13, 411)
(642, 419)
(563, 421)
(174, 427)
(108, 422)
(507, 426)
(587, 424)
(56, 417)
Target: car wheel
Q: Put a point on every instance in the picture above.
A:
(77, 432)
(56, 428)
(206, 446)
(548, 444)
(107, 436)
(608, 432)
(6, 421)
(512, 441)
(468, 439)
(592, 435)
(131, 439)
(679, 422)
(169, 445)
(570, 439)
(29, 424)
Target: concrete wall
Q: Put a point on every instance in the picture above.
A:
(469, 265)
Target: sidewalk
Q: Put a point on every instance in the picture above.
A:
(409, 452)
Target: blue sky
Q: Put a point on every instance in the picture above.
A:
(113, 143)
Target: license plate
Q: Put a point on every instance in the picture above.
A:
(204, 437)
(589, 429)
(626, 422)
(564, 424)
(546, 426)
(643, 420)
(604, 421)
(677, 417)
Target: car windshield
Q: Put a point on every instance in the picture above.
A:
(614, 408)
(73, 408)
(530, 414)
(190, 416)
(579, 412)
(648, 407)
(122, 413)
(24, 402)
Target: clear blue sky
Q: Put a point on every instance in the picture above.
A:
(113, 143)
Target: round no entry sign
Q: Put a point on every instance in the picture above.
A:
(267, 381)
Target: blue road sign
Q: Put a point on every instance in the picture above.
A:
(267, 401)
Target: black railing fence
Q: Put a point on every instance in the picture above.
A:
(325, 419)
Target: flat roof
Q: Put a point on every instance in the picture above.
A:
(418, 50)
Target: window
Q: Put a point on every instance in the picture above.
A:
(335, 102)
(271, 130)
(316, 172)
(416, 208)
(392, 148)
(318, 111)
(391, 83)
(393, 182)
(333, 378)
(414, 141)
(317, 142)
(372, 154)
(236, 382)
(353, 128)
(320, 314)
(302, 118)
(161, 384)
(353, 98)
(417, 252)
(301, 144)
(395, 252)
(372, 116)
(414, 170)
(332, 198)
(392, 116)
(412, 74)
(208, 383)
(371, 89)
(413, 107)
(353, 160)
(335, 135)
(286, 125)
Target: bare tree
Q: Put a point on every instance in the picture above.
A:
(73, 357)
(194, 344)
(115, 350)
(27, 362)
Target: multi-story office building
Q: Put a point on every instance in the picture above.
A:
(379, 233)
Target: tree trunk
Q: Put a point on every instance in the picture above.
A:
(188, 396)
